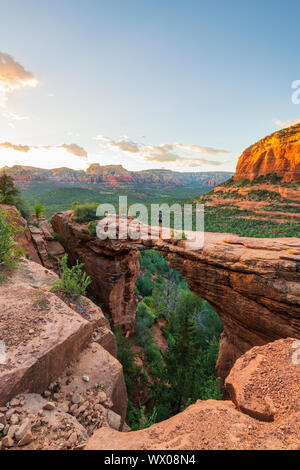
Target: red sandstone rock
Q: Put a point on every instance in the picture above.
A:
(113, 267)
(49, 250)
(265, 382)
(24, 238)
(264, 377)
(37, 242)
(46, 431)
(106, 339)
(252, 283)
(109, 175)
(104, 371)
(41, 333)
(278, 153)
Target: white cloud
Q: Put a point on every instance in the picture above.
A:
(13, 116)
(165, 153)
(16, 147)
(13, 76)
(74, 149)
(200, 149)
(288, 123)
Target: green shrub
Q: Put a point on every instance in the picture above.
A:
(9, 252)
(85, 212)
(75, 204)
(92, 228)
(144, 321)
(135, 378)
(38, 209)
(8, 191)
(145, 285)
(73, 281)
(57, 236)
(139, 418)
(23, 207)
(9, 194)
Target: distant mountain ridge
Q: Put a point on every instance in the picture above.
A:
(112, 175)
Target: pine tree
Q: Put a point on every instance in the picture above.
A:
(181, 353)
(8, 191)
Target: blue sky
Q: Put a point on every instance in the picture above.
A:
(185, 85)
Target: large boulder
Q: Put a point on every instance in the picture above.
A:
(265, 382)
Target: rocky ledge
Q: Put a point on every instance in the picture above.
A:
(264, 386)
(35, 238)
(58, 378)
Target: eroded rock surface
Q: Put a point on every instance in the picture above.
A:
(278, 154)
(48, 249)
(48, 340)
(37, 240)
(41, 334)
(112, 265)
(98, 375)
(252, 283)
(39, 426)
(263, 382)
(54, 348)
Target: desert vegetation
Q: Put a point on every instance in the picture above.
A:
(180, 369)
(10, 195)
(73, 280)
(9, 251)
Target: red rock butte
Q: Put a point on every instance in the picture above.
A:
(278, 154)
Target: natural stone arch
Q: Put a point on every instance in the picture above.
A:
(252, 284)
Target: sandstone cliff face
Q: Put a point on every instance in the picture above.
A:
(37, 241)
(264, 385)
(278, 153)
(253, 284)
(48, 249)
(112, 265)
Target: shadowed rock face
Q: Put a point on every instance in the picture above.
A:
(253, 284)
(37, 242)
(278, 153)
(264, 386)
(112, 265)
